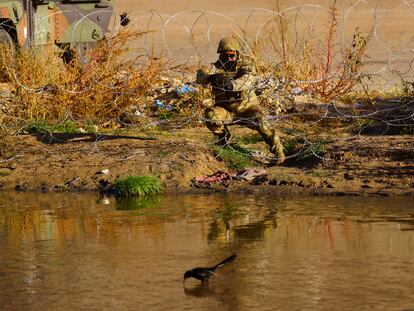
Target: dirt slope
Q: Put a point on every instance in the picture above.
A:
(373, 165)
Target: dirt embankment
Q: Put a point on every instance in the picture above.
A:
(364, 165)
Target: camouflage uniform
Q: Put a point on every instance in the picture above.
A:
(238, 105)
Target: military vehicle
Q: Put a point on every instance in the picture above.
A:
(65, 24)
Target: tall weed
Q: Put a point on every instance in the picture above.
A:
(324, 68)
(96, 91)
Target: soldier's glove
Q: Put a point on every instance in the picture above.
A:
(241, 72)
(220, 81)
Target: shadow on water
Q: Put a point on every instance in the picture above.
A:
(199, 290)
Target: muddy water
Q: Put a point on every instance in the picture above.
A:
(76, 252)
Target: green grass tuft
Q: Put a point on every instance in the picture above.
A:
(249, 139)
(137, 185)
(42, 127)
(235, 157)
(305, 150)
(5, 172)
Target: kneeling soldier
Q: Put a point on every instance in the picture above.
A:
(235, 102)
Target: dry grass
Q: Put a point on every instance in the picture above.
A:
(93, 92)
(324, 68)
(100, 90)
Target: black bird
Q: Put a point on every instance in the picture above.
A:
(203, 274)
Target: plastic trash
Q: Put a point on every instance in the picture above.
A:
(185, 89)
(297, 90)
(160, 105)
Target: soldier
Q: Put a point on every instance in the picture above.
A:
(235, 102)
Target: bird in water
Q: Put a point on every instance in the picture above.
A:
(203, 274)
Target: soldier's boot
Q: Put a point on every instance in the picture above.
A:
(223, 138)
(276, 148)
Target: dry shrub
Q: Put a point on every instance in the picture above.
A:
(325, 69)
(95, 91)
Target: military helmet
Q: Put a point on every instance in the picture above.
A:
(228, 44)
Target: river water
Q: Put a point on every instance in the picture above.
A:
(82, 252)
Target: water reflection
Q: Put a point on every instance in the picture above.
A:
(70, 252)
(136, 203)
(229, 223)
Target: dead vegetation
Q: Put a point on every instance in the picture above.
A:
(324, 68)
(95, 91)
(111, 87)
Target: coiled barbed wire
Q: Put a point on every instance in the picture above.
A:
(160, 25)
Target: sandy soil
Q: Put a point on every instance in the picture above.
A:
(365, 165)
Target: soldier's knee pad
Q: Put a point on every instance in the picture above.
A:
(211, 116)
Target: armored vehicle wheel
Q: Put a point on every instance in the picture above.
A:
(5, 38)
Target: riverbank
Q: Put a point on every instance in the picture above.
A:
(352, 165)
